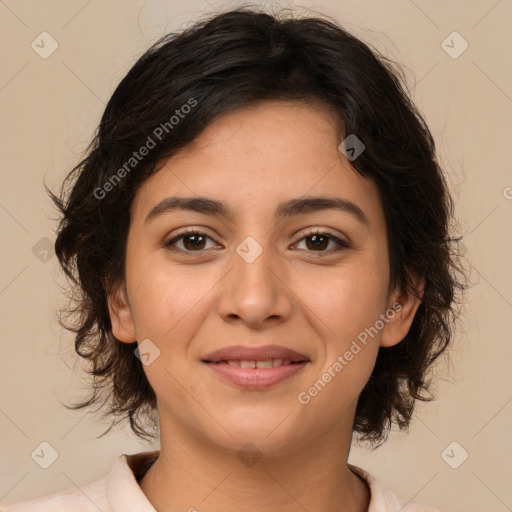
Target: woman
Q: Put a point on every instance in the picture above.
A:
(259, 236)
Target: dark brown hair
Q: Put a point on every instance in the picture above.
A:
(233, 60)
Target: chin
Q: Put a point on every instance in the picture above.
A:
(267, 439)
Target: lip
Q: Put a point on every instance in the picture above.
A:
(255, 378)
(264, 353)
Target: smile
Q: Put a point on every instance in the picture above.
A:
(256, 375)
(269, 363)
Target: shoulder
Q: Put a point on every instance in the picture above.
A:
(384, 500)
(119, 491)
(91, 497)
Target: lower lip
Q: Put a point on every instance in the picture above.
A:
(255, 378)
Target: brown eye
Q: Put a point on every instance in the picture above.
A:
(319, 242)
(193, 241)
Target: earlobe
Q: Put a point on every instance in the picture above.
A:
(404, 307)
(121, 317)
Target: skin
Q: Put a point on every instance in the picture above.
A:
(292, 294)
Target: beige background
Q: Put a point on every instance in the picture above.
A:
(49, 109)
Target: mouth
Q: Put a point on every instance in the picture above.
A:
(269, 363)
(264, 357)
(256, 368)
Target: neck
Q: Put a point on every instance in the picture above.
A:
(191, 475)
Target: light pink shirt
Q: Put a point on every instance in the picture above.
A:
(120, 492)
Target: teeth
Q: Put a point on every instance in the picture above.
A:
(269, 363)
(264, 364)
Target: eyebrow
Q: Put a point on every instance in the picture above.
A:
(299, 206)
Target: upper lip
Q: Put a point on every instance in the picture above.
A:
(263, 353)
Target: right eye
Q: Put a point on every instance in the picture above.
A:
(192, 238)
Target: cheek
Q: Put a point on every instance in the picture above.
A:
(348, 299)
(344, 311)
(166, 299)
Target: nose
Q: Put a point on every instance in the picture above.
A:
(255, 289)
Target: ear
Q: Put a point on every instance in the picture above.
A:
(401, 310)
(121, 316)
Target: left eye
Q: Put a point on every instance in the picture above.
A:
(319, 240)
(196, 240)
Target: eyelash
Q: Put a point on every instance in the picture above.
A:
(190, 232)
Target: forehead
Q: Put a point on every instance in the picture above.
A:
(255, 157)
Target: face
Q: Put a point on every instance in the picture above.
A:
(251, 277)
